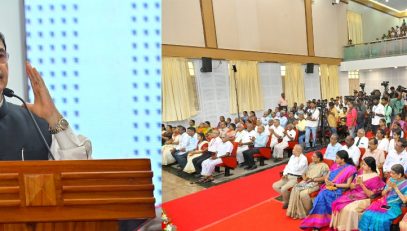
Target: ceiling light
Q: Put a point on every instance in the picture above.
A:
(395, 67)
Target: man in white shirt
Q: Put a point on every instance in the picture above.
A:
(377, 113)
(296, 167)
(243, 137)
(212, 147)
(277, 132)
(361, 140)
(64, 144)
(208, 166)
(265, 118)
(311, 125)
(279, 148)
(222, 128)
(333, 147)
(352, 150)
(268, 126)
(396, 156)
(383, 142)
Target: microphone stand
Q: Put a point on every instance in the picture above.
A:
(237, 98)
(10, 93)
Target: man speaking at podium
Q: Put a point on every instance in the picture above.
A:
(19, 138)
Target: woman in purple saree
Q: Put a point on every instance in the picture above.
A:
(339, 179)
(347, 209)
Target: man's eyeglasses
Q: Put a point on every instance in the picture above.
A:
(4, 57)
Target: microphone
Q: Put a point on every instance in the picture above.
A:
(10, 93)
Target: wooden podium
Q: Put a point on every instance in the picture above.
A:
(75, 195)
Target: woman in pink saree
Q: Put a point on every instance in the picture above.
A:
(347, 209)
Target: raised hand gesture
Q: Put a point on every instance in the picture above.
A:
(43, 105)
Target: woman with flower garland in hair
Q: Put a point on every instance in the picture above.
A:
(339, 179)
(346, 209)
(381, 213)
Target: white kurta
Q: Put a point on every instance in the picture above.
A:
(208, 166)
(278, 151)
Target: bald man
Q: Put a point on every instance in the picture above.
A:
(296, 167)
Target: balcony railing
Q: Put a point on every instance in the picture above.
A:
(377, 49)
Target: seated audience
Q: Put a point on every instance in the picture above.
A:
(333, 147)
(231, 133)
(212, 147)
(268, 126)
(383, 142)
(290, 118)
(347, 208)
(221, 119)
(208, 166)
(289, 135)
(296, 167)
(300, 202)
(361, 141)
(396, 138)
(245, 116)
(180, 153)
(351, 149)
(265, 118)
(277, 132)
(167, 157)
(243, 137)
(374, 152)
(202, 147)
(383, 126)
(283, 119)
(338, 180)
(222, 128)
(396, 156)
(380, 214)
(259, 140)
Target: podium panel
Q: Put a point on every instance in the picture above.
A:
(74, 195)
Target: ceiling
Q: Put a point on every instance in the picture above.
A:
(400, 5)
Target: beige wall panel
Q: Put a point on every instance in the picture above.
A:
(261, 25)
(182, 23)
(330, 28)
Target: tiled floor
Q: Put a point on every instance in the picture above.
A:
(175, 187)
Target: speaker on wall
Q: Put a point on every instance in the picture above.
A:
(310, 68)
(206, 64)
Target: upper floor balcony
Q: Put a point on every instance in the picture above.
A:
(376, 49)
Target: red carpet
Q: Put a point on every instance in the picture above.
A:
(266, 216)
(229, 206)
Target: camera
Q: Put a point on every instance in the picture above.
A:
(385, 83)
(362, 86)
(401, 89)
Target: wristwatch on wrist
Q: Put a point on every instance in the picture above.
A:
(62, 125)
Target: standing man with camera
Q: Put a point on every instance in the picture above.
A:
(311, 125)
(377, 114)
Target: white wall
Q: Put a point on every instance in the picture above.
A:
(366, 64)
(343, 83)
(182, 23)
(375, 23)
(272, 85)
(213, 91)
(312, 83)
(374, 78)
(12, 27)
(330, 28)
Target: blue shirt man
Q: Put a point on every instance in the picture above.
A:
(333, 148)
